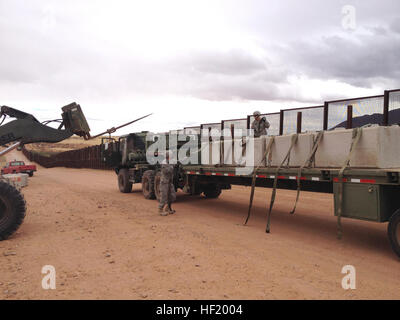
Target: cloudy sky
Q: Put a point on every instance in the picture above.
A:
(192, 62)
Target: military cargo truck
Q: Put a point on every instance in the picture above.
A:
(127, 156)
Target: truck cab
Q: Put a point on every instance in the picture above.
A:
(127, 155)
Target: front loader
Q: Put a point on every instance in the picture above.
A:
(27, 129)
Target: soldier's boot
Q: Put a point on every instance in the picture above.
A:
(162, 212)
(170, 210)
(166, 211)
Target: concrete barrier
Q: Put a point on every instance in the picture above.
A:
(211, 153)
(300, 151)
(18, 180)
(379, 147)
(233, 152)
(246, 152)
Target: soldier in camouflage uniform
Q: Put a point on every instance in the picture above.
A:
(260, 125)
(167, 189)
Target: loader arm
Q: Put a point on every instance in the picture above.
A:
(27, 129)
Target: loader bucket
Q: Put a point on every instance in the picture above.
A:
(75, 120)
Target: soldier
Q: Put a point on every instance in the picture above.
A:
(167, 189)
(260, 125)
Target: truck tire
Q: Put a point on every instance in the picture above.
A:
(12, 210)
(31, 174)
(195, 189)
(394, 232)
(212, 191)
(148, 184)
(157, 182)
(125, 186)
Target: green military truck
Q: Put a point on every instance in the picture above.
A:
(127, 156)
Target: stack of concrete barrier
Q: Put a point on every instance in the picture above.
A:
(18, 180)
(378, 147)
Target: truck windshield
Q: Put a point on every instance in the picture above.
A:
(17, 163)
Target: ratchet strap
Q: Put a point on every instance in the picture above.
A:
(253, 184)
(292, 144)
(355, 139)
(307, 164)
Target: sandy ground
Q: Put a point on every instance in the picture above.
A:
(109, 245)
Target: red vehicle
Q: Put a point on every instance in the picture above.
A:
(18, 167)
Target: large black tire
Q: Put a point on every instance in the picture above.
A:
(12, 210)
(148, 184)
(125, 186)
(394, 232)
(212, 191)
(157, 183)
(31, 174)
(195, 189)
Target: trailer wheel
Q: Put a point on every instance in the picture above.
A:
(148, 184)
(157, 182)
(212, 191)
(394, 232)
(12, 210)
(125, 186)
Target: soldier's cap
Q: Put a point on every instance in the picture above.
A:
(257, 113)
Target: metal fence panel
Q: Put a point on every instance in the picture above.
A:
(367, 110)
(312, 119)
(394, 107)
(89, 157)
(192, 130)
(237, 124)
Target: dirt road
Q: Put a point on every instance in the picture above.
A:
(108, 245)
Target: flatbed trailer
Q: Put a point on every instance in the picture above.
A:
(368, 194)
(346, 163)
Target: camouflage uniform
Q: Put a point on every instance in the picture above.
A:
(167, 189)
(260, 127)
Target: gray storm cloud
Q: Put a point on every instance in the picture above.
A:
(249, 51)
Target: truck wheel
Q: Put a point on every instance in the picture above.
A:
(12, 210)
(148, 184)
(394, 232)
(125, 186)
(195, 189)
(31, 174)
(212, 191)
(157, 182)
